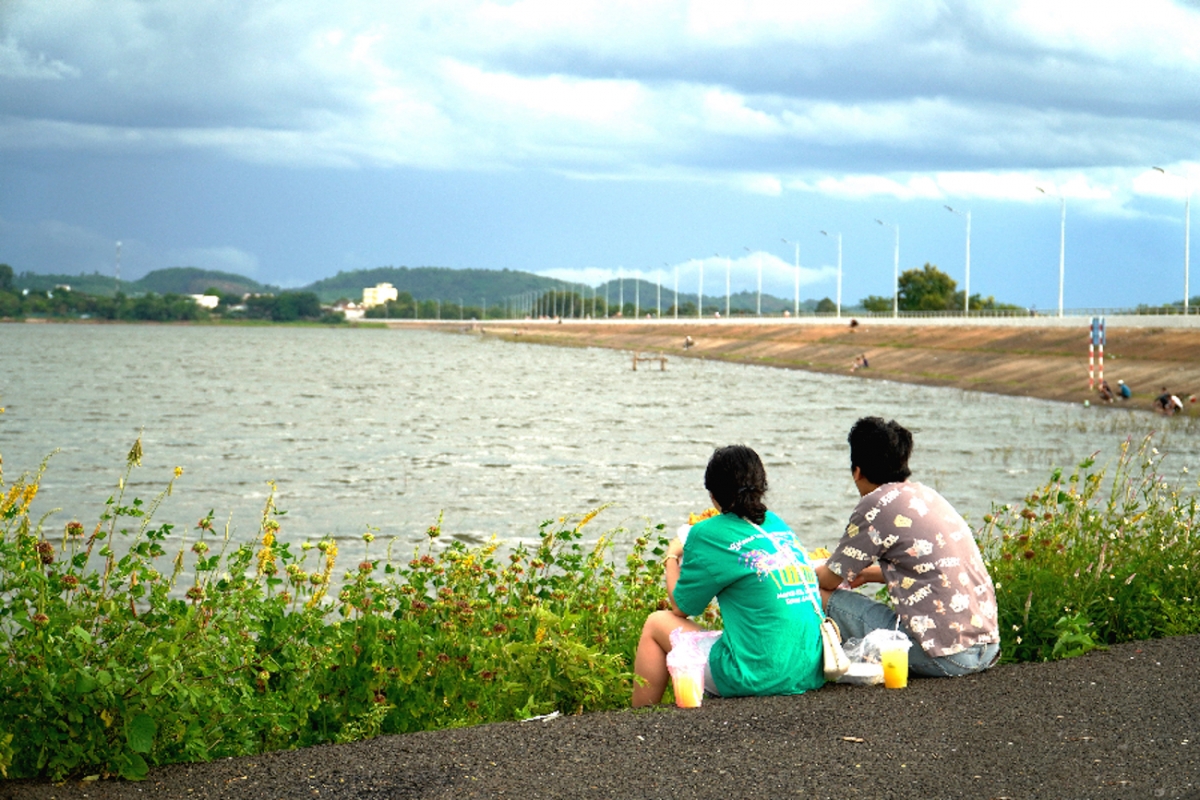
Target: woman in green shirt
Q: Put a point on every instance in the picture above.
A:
(748, 559)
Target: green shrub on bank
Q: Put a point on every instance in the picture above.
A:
(131, 645)
(1086, 562)
(112, 662)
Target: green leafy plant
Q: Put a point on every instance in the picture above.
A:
(135, 644)
(1079, 566)
(118, 655)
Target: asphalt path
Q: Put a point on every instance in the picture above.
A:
(1118, 723)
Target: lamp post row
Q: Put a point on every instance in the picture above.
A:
(966, 214)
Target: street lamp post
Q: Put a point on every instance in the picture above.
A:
(728, 267)
(758, 261)
(1062, 245)
(677, 291)
(895, 269)
(796, 274)
(839, 278)
(1187, 236)
(637, 294)
(967, 282)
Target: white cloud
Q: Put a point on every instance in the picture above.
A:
(1159, 30)
(17, 63)
(1174, 181)
(857, 100)
(762, 184)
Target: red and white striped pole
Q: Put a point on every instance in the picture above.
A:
(1092, 356)
(1100, 365)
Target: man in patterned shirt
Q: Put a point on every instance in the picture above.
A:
(907, 536)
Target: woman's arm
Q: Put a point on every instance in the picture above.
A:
(671, 571)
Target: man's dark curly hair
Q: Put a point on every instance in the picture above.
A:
(880, 449)
(737, 480)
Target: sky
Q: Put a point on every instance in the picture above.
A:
(286, 140)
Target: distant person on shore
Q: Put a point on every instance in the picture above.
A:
(688, 342)
(1106, 392)
(1123, 390)
(749, 560)
(907, 536)
(1163, 401)
(1167, 404)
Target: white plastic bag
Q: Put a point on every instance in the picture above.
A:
(687, 661)
(866, 668)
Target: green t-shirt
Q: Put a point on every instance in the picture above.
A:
(765, 585)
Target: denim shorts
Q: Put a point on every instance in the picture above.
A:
(857, 615)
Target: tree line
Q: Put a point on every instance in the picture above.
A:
(930, 289)
(63, 303)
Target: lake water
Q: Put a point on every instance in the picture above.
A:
(388, 429)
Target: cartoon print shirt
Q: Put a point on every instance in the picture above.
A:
(931, 564)
(766, 587)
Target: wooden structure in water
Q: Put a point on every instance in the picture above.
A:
(659, 357)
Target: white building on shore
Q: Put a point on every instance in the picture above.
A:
(209, 301)
(379, 294)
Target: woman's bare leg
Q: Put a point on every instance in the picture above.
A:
(650, 663)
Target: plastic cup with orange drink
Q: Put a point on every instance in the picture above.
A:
(688, 684)
(895, 667)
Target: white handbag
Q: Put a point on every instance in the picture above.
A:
(836, 662)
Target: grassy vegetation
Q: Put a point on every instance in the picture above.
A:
(129, 644)
(1092, 558)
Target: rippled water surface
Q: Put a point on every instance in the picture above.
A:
(390, 428)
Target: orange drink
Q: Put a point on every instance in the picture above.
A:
(895, 667)
(689, 687)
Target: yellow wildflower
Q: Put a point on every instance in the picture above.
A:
(27, 496)
(178, 471)
(820, 552)
(703, 515)
(588, 517)
(134, 459)
(13, 493)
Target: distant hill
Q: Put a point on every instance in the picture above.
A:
(193, 280)
(436, 283)
(471, 286)
(174, 280)
(645, 293)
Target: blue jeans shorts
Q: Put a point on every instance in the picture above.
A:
(857, 615)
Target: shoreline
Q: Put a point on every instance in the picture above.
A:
(1044, 362)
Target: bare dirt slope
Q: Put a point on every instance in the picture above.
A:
(1049, 363)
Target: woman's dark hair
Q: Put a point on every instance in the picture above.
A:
(737, 480)
(880, 449)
